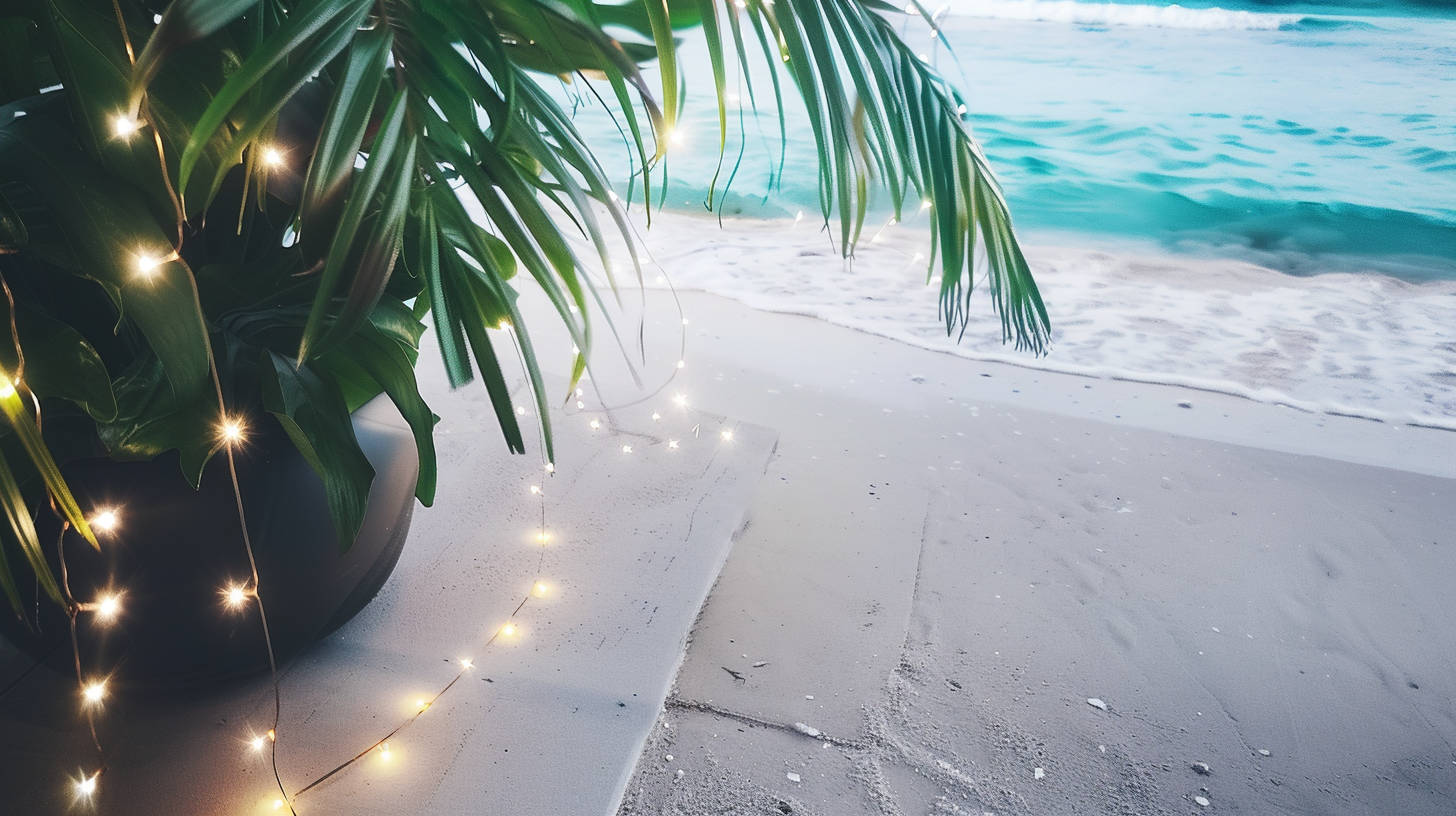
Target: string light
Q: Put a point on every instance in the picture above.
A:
(272, 157)
(672, 444)
(682, 363)
(467, 663)
(727, 435)
(508, 630)
(124, 126)
(595, 424)
(384, 751)
(277, 804)
(626, 449)
(535, 489)
(231, 431)
(105, 521)
(422, 704)
(87, 786)
(94, 692)
(108, 607)
(258, 743)
(685, 321)
(681, 400)
(539, 590)
(234, 596)
(147, 265)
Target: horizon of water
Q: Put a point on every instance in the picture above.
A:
(1305, 137)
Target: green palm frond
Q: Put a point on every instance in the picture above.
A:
(257, 189)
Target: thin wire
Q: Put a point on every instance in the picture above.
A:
(530, 592)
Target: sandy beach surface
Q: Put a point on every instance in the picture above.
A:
(944, 585)
(967, 587)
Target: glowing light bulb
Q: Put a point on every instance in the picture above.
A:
(656, 416)
(727, 435)
(508, 629)
(422, 704)
(124, 126)
(672, 444)
(108, 607)
(521, 410)
(579, 392)
(94, 692)
(594, 424)
(626, 449)
(535, 489)
(231, 431)
(685, 321)
(277, 804)
(234, 596)
(681, 400)
(87, 786)
(682, 363)
(575, 350)
(106, 520)
(925, 205)
(257, 743)
(543, 536)
(961, 109)
(539, 590)
(503, 325)
(147, 265)
(272, 157)
(7, 388)
(918, 257)
(384, 751)
(676, 136)
(467, 663)
(550, 468)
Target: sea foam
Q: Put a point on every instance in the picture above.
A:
(1107, 14)
(1350, 344)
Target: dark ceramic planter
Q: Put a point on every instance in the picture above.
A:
(176, 549)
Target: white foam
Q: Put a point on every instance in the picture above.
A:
(1069, 11)
(1358, 345)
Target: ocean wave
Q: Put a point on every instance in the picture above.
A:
(1108, 14)
(1366, 346)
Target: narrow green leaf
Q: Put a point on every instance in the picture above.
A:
(40, 456)
(17, 513)
(313, 413)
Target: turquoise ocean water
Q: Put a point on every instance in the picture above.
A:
(1306, 137)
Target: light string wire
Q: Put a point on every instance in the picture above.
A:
(542, 539)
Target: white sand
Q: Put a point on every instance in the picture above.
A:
(948, 558)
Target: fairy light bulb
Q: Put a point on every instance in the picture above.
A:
(7, 388)
(626, 449)
(422, 704)
(87, 786)
(503, 325)
(105, 521)
(272, 157)
(681, 400)
(234, 596)
(672, 444)
(508, 630)
(535, 489)
(685, 321)
(94, 692)
(656, 416)
(124, 126)
(521, 410)
(277, 804)
(539, 590)
(550, 467)
(258, 743)
(231, 431)
(727, 435)
(467, 663)
(798, 218)
(384, 751)
(682, 364)
(147, 265)
(925, 205)
(107, 608)
(595, 424)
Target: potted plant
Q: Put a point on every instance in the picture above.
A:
(223, 221)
